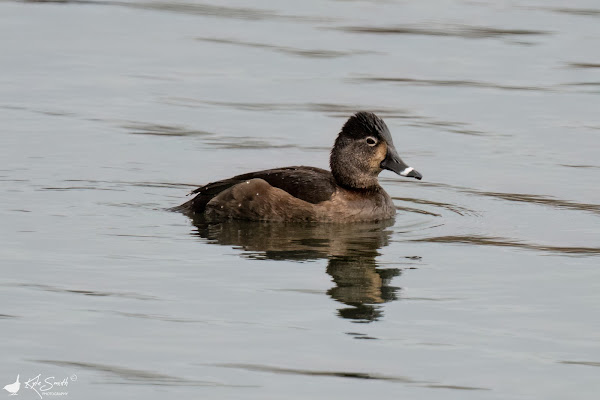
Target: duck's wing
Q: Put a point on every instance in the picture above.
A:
(310, 184)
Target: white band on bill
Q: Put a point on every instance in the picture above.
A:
(407, 171)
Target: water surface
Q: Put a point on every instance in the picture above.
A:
(486, 285)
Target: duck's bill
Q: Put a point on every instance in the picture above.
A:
(394, 163)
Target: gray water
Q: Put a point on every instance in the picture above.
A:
(486, 285)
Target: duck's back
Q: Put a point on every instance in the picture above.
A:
(309, 184)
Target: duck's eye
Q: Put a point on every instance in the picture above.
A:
(371, 141)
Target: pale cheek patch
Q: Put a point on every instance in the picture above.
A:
(380, 154)
(407, 171)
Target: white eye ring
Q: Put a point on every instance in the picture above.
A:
(371, 141)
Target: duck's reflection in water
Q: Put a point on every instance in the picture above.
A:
(350, 249)
(361, 285)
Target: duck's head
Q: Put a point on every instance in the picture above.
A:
(362, 150)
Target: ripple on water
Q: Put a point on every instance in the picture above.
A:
(343, 374)
(580, 166)
(461, 31)
(450, 82)
(163, 130)
(535, 199)
(447, 206)
(136, 376)
(310, 53)
(539, 199)
(586, 363)
(49, 288)
(481, 240)
(582, 12)
(583, 65)
(330, 109)
(250, 142)
(214, 140)
(209, 10)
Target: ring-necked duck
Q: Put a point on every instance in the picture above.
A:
(349, 193)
